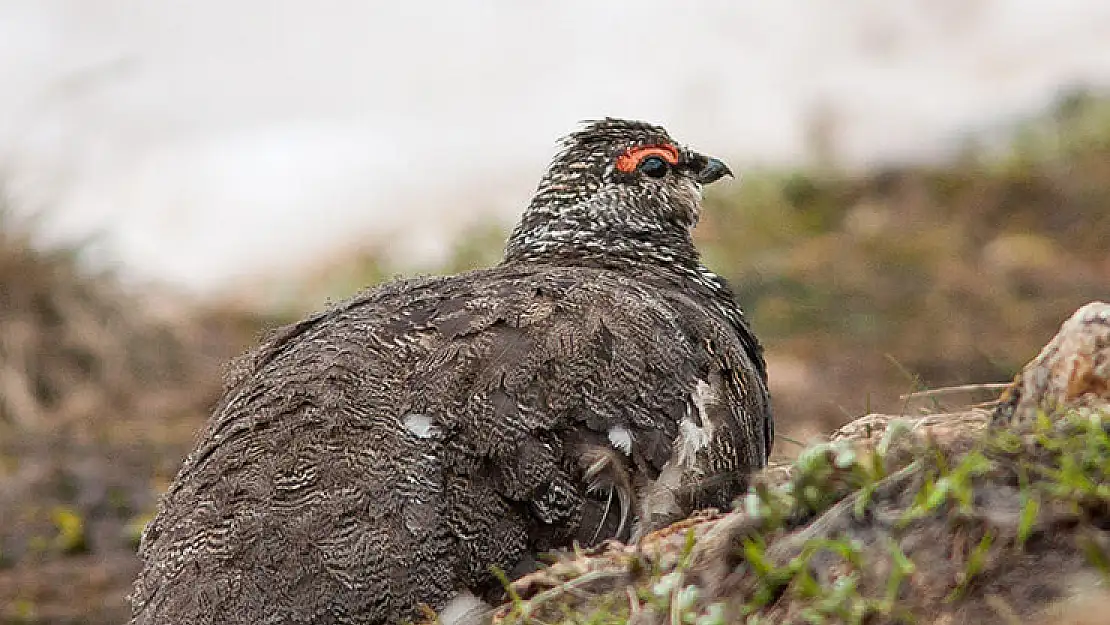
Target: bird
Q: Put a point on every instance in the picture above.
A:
(403, 450)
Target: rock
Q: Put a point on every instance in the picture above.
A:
(1072, 370)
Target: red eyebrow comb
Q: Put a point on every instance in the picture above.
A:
(628, 161)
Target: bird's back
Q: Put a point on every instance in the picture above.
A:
(388, 452)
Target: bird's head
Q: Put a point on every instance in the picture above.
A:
(613, 183)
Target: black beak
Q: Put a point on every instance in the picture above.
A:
(712, 171)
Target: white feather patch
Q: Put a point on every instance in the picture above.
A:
(464, 609)
(705, 395)
(420, 425)
(692, 438)
(621, 439)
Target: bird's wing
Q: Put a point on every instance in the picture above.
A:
(538, 378)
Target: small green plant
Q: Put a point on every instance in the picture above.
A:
(70, 527)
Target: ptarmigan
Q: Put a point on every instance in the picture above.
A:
(600, 382)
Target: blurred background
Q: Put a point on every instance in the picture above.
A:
(924, 196)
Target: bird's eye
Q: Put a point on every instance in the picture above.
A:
(651, 160)
(654, 167)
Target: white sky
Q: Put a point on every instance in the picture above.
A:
(214, 141)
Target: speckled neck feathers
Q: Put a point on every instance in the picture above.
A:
(588, 212)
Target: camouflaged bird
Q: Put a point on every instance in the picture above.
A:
(384, 455)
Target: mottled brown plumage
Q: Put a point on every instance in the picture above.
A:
(599, 382)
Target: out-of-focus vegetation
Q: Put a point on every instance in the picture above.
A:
(101, 394)
(862, 287)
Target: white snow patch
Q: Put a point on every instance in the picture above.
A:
(209, 153)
